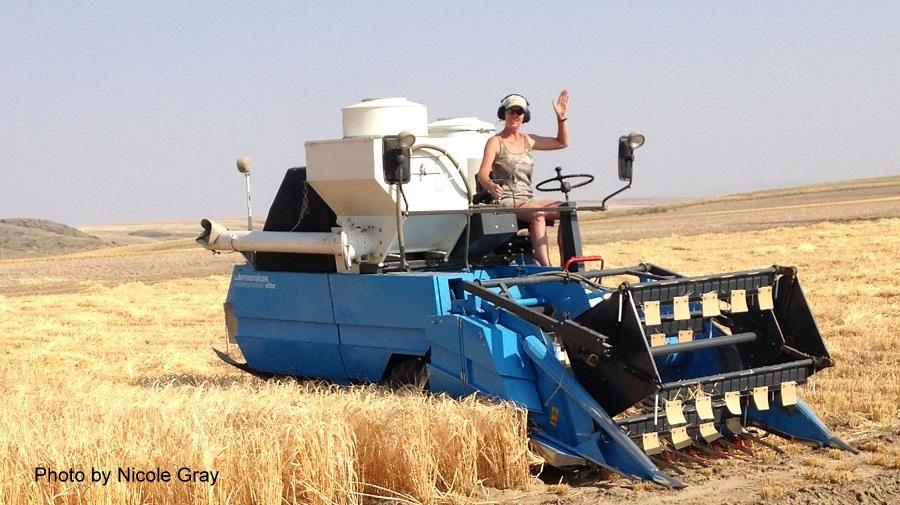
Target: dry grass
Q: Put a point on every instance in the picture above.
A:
(883, 455)
(770, 491)
(123, 376)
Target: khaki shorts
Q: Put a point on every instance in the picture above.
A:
(514, 201)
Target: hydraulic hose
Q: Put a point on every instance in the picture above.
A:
(449, 156)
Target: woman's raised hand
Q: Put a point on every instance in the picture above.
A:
(561, 105)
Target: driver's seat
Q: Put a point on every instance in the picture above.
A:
(483, 197)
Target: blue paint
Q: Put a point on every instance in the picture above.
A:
(795, 422)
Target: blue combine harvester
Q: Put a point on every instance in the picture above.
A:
(375, 266)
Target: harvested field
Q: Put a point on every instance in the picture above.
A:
(107, 364)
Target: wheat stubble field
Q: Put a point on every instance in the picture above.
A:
(107, 369)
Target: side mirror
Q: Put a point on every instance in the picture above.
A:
(627, 145)
(395, 160)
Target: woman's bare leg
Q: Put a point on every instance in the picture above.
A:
(538, 234)
(538, 227)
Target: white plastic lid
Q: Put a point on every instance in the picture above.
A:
(377, 117)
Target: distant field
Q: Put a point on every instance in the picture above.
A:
(844, 201)
(626, 219)
(107, 362)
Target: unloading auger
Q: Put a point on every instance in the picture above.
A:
(374, 265)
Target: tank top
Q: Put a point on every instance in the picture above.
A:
(513, 172)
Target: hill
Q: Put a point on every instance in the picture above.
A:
(25, 237)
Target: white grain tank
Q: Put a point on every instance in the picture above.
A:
(465, 135)
(348, 174)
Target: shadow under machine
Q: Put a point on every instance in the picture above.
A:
(374, 265)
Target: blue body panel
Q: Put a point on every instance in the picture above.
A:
(471, 355)
(280, 295)
(285, 325)
(303, 349)
(339, 327)
(382, 315)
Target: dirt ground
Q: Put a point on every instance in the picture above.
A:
(765, 479)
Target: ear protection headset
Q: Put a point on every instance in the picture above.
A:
(501, 111)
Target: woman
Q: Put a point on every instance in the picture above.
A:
(507, 166)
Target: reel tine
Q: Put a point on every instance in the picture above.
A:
(708, 450)
(732, 445)
(684, 456)
(723, 448)
(666, 464)
(760, 441)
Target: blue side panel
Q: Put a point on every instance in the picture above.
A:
(291, 347)
(495, 363)
(468, 354)
(286, 322)
(446, 370)
(381, 315)
(399, 300)
(439, 380)
(609, 445)
(280, 295)
(366, 350)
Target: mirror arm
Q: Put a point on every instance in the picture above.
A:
(603, 203)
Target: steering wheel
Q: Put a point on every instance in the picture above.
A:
(563, 185)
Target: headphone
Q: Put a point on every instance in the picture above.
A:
(501, 111)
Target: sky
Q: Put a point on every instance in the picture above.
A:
(119, 112)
